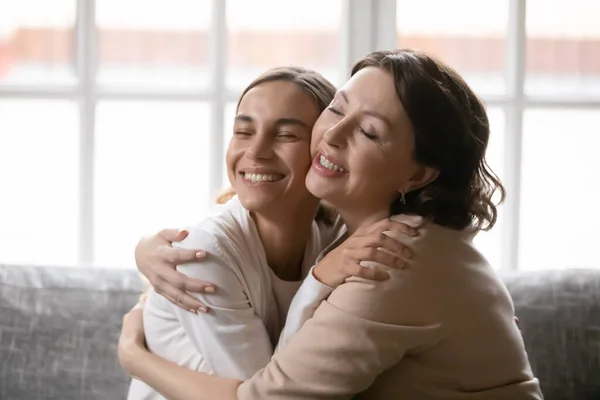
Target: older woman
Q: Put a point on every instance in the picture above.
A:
(404, 135)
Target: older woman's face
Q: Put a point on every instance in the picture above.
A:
(362, 146)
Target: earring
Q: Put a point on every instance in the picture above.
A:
(402, 198)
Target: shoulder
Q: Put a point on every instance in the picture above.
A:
(416, 293)
(228, 227)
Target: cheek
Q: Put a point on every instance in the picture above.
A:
(318, 131)
(298, 158)
(232, 154)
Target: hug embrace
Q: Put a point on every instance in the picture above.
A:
(341, 263)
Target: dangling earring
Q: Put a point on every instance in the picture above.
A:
(402, 198)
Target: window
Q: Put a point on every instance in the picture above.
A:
(115, 116)
(473, 46)
(535, 64)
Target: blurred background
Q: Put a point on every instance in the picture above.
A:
(114, 115)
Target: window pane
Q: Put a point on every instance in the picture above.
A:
(559, 217)
(36, 41)
(474, 46)
(39, 164)
(262, 34)
(156, 43)
(152, 172)
(490, 242)
(563, 47)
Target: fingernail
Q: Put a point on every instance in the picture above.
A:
(203, 310)
(192, 311)
(200, 254)
(209, 289)
(415, 219)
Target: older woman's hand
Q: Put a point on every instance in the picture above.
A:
(157, 259)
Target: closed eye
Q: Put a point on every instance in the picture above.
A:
(335, 111)
(367, 134)
(242, 133)
(287, 135)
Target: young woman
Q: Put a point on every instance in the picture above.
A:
(261, 243)
(404, 135)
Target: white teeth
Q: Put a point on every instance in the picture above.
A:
(262, 177)
(329, 165)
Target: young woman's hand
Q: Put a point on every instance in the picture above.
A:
(157, 259)
(132, 337)
(366, 245)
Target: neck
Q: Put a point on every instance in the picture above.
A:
(284, 235)
(355, 220)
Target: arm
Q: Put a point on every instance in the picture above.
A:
(335, 355)
(359, 257)
(369, 346)
(305, 302)
(231, 337)
(348, 343)
(173, 381)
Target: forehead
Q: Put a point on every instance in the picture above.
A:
(373, 88)
(279, 99)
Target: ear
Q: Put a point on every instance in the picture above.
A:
(422, 177)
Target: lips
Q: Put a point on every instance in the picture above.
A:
(328, 167)
(260, 178)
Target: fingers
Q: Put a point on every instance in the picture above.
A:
(173, 235)
(373, 274)
(392, 245)
(181, 298)
(175, 286)
(371, 254)
(403, 226)
(175, 256)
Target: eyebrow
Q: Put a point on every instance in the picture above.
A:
(280, 121)
(368, 112)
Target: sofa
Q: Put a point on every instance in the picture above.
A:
(59, 329)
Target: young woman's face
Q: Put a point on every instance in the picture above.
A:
(269, 154)
(363, 146)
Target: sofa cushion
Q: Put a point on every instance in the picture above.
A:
(559, 313)
(59, 329)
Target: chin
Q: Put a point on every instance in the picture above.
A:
(254, 203)
(321, 190)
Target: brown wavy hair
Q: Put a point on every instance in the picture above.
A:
(451, 131)
(312, 83)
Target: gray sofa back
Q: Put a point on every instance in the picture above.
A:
(59, 329)
(559, 313)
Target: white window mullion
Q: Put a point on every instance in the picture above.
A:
(218, 64)
(516, 63)
(358, 33)
(384, 25)
(86, 72)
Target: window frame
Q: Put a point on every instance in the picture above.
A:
(367, 25)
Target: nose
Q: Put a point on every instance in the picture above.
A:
(260, 148)
(337, 135)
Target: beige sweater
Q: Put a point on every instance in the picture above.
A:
(440, 328)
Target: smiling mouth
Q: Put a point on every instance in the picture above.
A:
(329, 165)
(260, 178)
